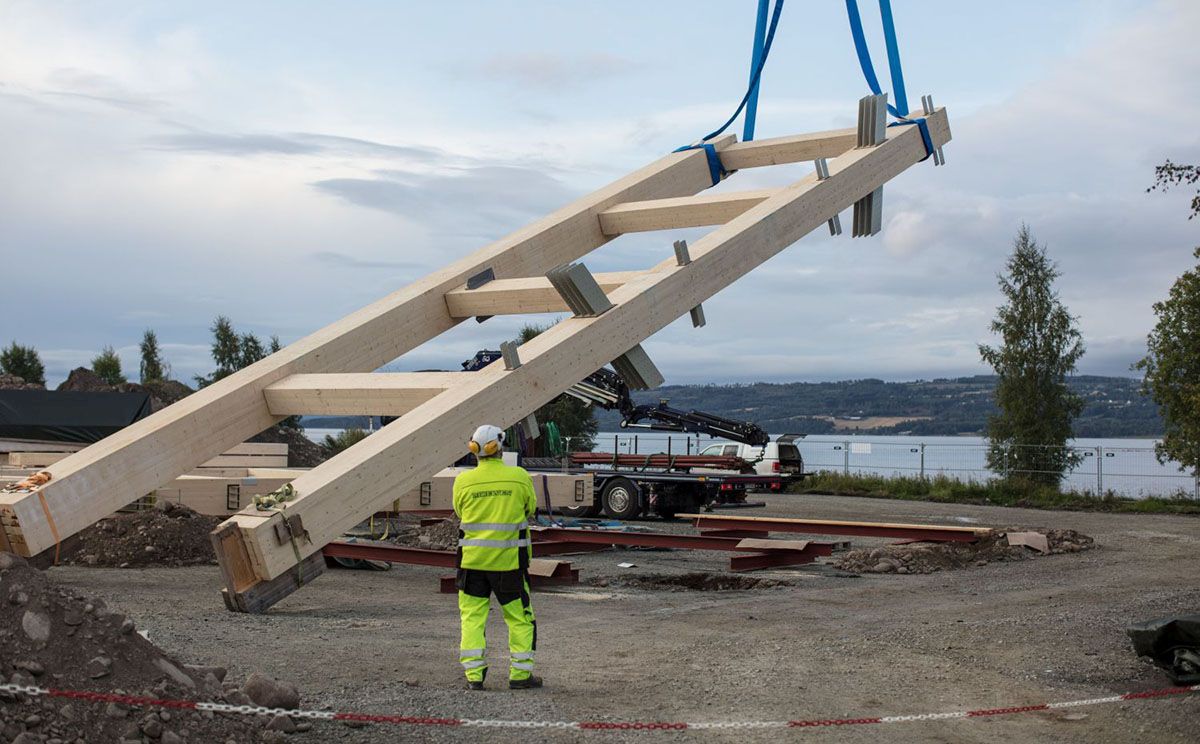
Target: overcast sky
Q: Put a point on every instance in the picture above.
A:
(284, 163)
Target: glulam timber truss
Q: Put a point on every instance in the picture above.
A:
(266, 555)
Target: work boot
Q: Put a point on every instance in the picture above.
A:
(473, 685)
(528, 683)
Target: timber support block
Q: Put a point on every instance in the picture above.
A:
(245, 590)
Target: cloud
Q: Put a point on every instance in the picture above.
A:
(333, 258)
(551, 72)
(298, 143)
(461, 201)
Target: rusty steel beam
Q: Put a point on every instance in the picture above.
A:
(635, 539)
(924, 533)
(775, 559)
(391, 554)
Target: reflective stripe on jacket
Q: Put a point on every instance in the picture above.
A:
(494, 502)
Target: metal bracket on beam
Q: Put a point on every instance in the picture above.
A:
(477, 281)
(637, 369)
(578, 288)
(684, 258)
(835, 222)
(927, 107)
(529, 425)
(872, 131)
(508, 350)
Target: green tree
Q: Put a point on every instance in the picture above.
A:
(24, 362)
(1040, 346)
(107, 366)
(153, 368)
(250, 350)
(275, 344)
(575, 419)
(344, 440)
(1172, 174)
(226, 351)
(1172, 370)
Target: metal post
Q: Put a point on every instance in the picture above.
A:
(922, 461)
(760, 34)
(846, 458)
(1099, 471)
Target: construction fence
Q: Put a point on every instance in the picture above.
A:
(1124, 470)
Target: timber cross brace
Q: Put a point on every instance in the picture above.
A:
(330, 371)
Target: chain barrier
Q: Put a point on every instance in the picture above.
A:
(327, 715)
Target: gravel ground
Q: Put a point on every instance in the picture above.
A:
(830, 644)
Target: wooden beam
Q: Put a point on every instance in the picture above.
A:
(360, 480)
(527, 295)
(680, 212)
(796, 148)
(356, 393)
(121, 468)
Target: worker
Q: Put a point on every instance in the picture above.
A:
(494, 503)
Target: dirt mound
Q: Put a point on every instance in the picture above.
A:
(12, 382)
(302, 451)
(442, 535)
(168, 535)
(698, 582)
(922, 558)
(53, 637)
(162, 392)
(83, 380)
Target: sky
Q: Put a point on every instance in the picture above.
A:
(285, 163)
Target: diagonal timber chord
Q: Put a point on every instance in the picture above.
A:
(106, 476)
(360, 393)
(332, 498)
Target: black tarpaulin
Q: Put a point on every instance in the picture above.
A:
(68, 416)
(1172, 643)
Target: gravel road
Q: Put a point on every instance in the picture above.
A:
(830, 645)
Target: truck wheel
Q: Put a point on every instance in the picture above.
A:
(579, 510)
(620, 499)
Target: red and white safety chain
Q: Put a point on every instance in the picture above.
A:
(327, 715)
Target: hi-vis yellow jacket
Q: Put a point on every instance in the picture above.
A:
(494, 502)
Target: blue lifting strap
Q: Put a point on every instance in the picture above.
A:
(715, 168)
(900, 110)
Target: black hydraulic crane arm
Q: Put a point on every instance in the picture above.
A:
(607, 389)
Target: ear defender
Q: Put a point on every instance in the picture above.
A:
(490, 448)
(473, 446)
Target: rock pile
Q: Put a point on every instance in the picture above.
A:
(922, 558)
(12, 382)
(53, 637)
(441, 535)
(168, 535)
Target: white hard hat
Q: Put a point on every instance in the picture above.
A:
(487, 441)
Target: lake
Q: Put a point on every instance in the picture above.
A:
(1126, 467)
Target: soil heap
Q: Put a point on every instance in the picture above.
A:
(12, 382)
(442, 535)
(168, 535)
(922, 558)
(53, 637)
